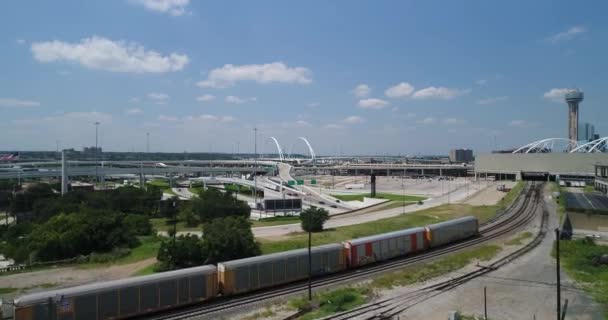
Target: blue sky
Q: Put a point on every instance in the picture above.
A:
(354, 77)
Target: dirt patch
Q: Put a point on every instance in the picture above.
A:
(489, 195)
(69, 276)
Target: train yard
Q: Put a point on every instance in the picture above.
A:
(521, 212)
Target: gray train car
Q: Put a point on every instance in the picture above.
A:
(453, 230)
(120, 298)
(253, 273)
(384, 246)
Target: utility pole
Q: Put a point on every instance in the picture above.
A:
(309, 256)
(255, 168)
(96, 152)
(485, 305)
(559, 306)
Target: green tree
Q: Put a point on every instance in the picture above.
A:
(187, 251)
(187, 215)
(24, 201)
(212, 203)
(139, 224)
(69, 235)
(228, 239)
(313, 219)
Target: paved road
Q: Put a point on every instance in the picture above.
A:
(350, 219)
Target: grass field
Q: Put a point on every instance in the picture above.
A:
(589, 188)
(393, 205)
(148, 248)
(577, 258)
(331, 302)
(517, 240)
(430, 270)
(159, 183)
(275, 221)
(511, 195)
(420, 218)
(389, 196)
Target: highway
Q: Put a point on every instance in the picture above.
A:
(108, 171)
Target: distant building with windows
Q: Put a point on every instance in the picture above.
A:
(586, 132)
(601, 178)
(91, 151)
(461, 155)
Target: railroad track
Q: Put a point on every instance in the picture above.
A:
(513, 218)
(391, 307)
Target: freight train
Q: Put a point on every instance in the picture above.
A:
(153, 293)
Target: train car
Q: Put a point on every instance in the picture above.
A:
(120, 299)
(244, 275)
(385, 246)
(453, 230)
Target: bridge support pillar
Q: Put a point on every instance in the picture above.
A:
(422, 171)
(440, 172)
(64, 173)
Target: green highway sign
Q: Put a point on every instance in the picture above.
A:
(291, 182)
(300, 182)
(313, 181)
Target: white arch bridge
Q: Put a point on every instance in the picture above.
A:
(564, 145)
(283, 157)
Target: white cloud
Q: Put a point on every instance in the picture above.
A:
(518, 123)
(302, 123)
(334, 126)
(135, 100)
(395, 109)
(210, 117)
(492, 100)
(556, 94)
(353, 120)
(314, 104)
(134, 111)
(372, 103)
(439, 93)
(237, 100)
(104, 54)
(481, 82)
(168, 118)
(205, 98)
(69, 120)
(172, 7)
(17, 103)
(20, 41)
(427, 120)
(452, 121)
(400, 90)
(159, 97)
(567, 35)
(361, 91)
(279, 72)
(411, 115)
(64, 73)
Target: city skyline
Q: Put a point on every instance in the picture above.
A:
(354, 78)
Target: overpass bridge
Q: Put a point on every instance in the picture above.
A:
(389, 169)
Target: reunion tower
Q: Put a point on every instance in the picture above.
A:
(573, 98)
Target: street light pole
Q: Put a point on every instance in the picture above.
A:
(96, 152)
(255, 168)
(309, 256)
